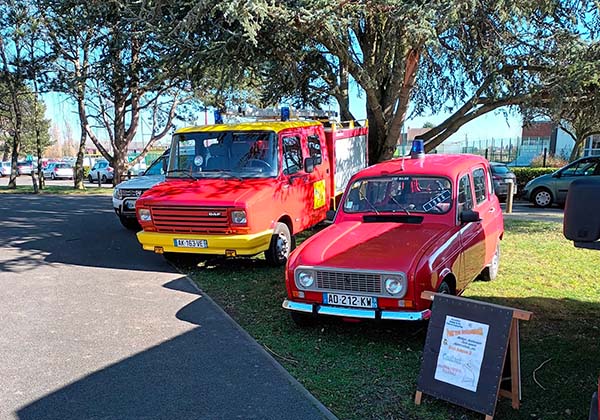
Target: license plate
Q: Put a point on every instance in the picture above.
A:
(191, 243)
(349, 300)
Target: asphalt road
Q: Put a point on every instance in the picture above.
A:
(92, 327)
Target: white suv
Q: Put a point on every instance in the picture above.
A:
(101, 169)
(127, 192)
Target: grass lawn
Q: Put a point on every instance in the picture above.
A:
(56, 189)
(368, 370)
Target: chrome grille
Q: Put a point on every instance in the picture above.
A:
(190, 219)
(349, 281)
(131, 193)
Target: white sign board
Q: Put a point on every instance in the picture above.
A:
(461, 352)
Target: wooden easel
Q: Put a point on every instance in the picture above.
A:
(513, 352)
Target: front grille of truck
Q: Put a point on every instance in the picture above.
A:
(349, 281)
(190, 219)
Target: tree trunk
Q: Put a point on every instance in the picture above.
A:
(119, 163)
(12, 183)
(78, 170)
(576, 149)
(377, 135)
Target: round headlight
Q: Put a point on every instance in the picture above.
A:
(144, 215)
(394, 285)
(238, 217)
(305, 279)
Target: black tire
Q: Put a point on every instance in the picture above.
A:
(90, 179)
(130, 223)
(304, 320)
(445, 289)
(542, 197)
(52, 176)
(281, 245)
(490, 273)
(103, 179)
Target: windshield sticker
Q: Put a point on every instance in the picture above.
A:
(198, 160)
(440, 198)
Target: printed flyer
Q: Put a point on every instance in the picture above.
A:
(461, 352)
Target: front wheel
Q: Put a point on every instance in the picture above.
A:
(90, 179)
(542, 198)
(444, 289)
(490, 273)
(280, 247)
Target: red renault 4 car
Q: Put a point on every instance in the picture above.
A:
(431, 222)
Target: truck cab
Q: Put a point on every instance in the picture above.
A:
(246, 188)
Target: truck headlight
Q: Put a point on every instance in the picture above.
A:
(305, 279)
(117, 193)
(144, 215)
(238, 217)
(395, 285)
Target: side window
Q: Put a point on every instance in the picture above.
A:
(314, 148)
(479, 184)
(292, 155)
(465, 196)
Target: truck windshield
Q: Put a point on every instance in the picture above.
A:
(405, 194)
(223, 154)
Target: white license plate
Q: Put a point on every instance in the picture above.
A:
(349, 300)
(191, 243)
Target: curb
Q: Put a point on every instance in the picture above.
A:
(312, 399)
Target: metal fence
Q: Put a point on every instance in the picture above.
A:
(505, 150)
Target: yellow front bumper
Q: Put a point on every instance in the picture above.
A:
(251, 244)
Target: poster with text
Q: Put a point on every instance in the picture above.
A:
(461, 352)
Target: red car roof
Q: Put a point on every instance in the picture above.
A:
(434, 164)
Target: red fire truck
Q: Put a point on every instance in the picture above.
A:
(246, 188)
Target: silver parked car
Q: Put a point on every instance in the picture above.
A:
(549, 189)
(501, 176)
(102, 170)
(56, 170)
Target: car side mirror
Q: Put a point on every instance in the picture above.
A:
(330, 215)
(556, 175)
(142, 173)
(309, 165)
(164, 166)
(468, 216)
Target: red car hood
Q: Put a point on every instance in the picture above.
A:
(375, 246)
(212, 192)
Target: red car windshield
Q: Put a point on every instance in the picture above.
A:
(405, 194)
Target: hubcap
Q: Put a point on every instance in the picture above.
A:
(283, 247)
(542, 198)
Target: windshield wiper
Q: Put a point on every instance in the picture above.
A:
(400, 206)
(364, 197)
(226, 172)
(180, 171)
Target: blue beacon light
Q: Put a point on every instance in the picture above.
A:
(417, 151)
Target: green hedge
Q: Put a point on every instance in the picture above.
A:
(524, 175)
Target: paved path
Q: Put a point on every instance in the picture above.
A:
(91, 327)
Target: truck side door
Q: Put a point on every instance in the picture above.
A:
(296, 189)
(320, 178)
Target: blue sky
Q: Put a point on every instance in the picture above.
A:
(492, 125)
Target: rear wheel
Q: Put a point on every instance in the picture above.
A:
(280, 247)
(490, 273)
(130, 223)
(542, 198)
(52, 176)
(104, 179)
(304, 320)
